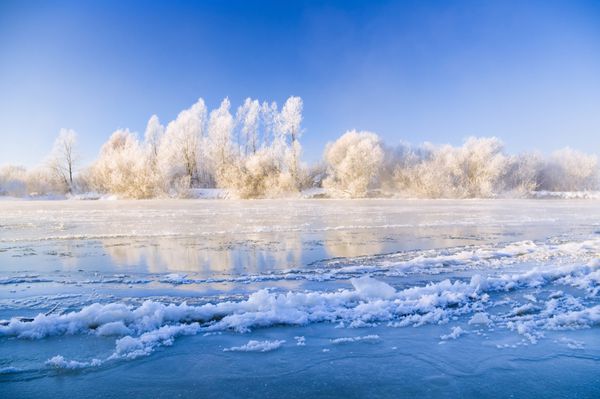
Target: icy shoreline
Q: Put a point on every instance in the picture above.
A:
(373, 290)
(370, 302)
(314, 193)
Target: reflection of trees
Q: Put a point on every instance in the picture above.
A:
(173, 254)
(354, 242)
(218, 254)
(289, 251)
(348, 231)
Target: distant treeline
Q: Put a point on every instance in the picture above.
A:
(256, 153)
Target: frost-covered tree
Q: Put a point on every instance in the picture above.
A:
(42, 181)
(570, 170)
(268, 164)
(472, 170)
(13, 181)
(153, 135)
(268, 118)
(152, 142)
(289, 120)
(63, 157)
(353, 161)
(255, 176)
(248, 117)
(180, 156)
(122, 168)
(195, 150)
(17, 181)
(220, 129)
(521, 176)
(258, 154)
(483, 163)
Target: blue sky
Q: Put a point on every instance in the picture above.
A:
(525, 71)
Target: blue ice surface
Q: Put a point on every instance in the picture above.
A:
(301, 250)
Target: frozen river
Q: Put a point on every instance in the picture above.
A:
(300, 298)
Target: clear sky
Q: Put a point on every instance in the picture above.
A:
(527, 72)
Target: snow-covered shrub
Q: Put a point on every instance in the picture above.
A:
(16, 181)
(570, 170)
(179, 154)
(254, 176)
(13, 181)
(483, 165)
(196, 150)
(264, 161)
(353, 161)
(315, 174)
(521, 175)
(397, 166)
(122, 168)
(42, 181)
(472, 170)
(480, 168)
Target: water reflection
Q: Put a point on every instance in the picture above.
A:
(351, 243)
(218, 255)
(255, 237)
(228, 254)
(260, 253)
(168, 254)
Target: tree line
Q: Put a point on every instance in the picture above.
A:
(255, 152)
